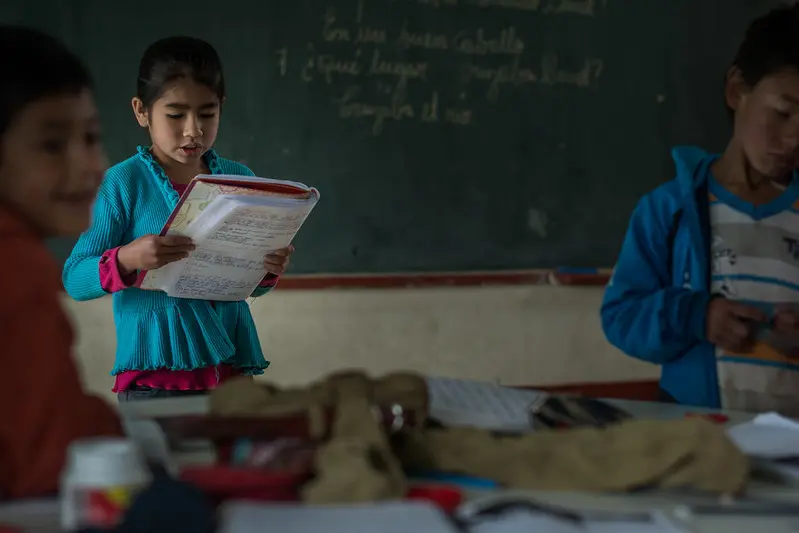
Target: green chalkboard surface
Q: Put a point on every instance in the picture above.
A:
(444, 135)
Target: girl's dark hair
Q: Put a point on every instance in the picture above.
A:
(175, 58)
(34, 66)
(771, 44)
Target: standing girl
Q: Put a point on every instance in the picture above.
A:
(166, 346)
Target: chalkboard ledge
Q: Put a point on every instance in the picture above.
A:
(568, 277)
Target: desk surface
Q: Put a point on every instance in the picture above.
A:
(668, 502)
(199, 405)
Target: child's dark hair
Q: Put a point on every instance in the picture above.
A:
(35, 65)
(771, 44)
(175, 58)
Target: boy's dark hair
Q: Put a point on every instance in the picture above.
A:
(35, 65)
(771, 44)
(176, 58)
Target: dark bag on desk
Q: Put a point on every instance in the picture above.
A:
(563, 412)
(167, 506)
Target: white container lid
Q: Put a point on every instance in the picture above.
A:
(104, 462)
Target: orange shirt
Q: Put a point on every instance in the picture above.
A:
(41, 397)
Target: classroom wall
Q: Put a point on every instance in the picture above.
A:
(516, 335)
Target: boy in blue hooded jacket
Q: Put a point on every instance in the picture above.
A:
(707, 281)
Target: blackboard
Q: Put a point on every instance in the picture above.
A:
(445, 135)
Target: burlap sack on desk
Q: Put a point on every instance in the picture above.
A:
(244, 397)
(359, 462)
(628, 456)
(356, 463)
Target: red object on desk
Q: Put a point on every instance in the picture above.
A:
(222, 483)
(718, 418)
(446, 497)
(645, 391)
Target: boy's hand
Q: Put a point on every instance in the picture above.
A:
(152, 251)
(786, 325)
(732, 325)
(786, 321)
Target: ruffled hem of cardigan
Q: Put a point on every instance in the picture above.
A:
(245, 370)
(210, 157)
(188, 336)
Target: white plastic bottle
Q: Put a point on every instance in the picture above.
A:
(101, 478)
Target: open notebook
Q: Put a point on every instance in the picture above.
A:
(457, 402)
(235, 221)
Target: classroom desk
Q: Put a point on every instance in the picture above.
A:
(672, 503)
(199, 405)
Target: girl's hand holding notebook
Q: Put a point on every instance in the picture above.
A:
(277, 262)
(153, 251)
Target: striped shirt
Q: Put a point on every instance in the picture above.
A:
(755, 260)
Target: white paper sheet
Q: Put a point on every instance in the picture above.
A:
(523, 522)
(390, 517)
(767, 436)
(32, 516)
(147, 434)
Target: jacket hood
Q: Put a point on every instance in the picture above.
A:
(687, 160)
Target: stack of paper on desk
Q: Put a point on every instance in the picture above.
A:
(767, 436)
(234, 221)
(773, 442)
(382, 517)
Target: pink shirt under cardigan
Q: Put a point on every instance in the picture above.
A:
(206, 378)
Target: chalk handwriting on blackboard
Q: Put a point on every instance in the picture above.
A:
(477, 42)
(333, 32)
(513, 74)
(372, 78)
(397, 108)
(401, 69)
(555, 7)
(330, 67)
(352, 106)
(283, 60)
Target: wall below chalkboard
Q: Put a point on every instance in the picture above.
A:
(512, 335)
(444, 135)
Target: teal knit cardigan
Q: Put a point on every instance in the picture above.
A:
(154, 330)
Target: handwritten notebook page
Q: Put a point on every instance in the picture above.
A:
(231, 237)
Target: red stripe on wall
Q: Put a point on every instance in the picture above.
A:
(445, 279)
